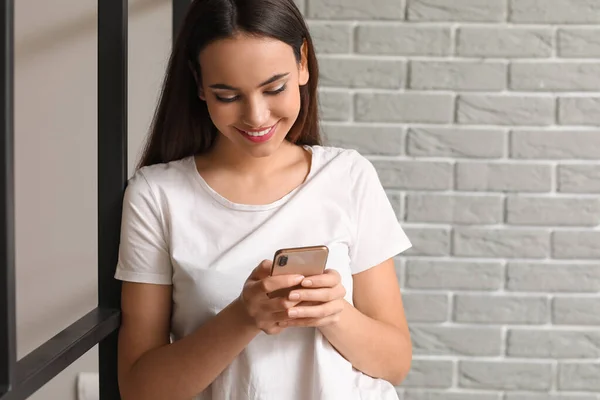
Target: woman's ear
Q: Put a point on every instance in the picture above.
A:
(303, 73)
(197, 80)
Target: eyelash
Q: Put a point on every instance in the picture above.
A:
(232, 99)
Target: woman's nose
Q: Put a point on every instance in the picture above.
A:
(256, 113)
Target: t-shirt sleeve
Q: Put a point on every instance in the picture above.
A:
(143, 251)
(378, 235)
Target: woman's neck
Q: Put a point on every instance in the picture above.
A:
(228, 156)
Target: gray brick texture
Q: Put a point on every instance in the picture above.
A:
(482, 118)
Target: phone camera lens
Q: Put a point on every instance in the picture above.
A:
(283, 261)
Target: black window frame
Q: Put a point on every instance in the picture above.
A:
(19, 379)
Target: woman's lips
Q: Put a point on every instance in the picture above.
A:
(259, 136)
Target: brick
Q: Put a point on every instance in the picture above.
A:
(457, 209)
(457, 10)
(331, 37)
(415, 175)
(397, 201)
(335, 106)
(500, 309)
(457, 75)
(446, 341)
(555, 144)
(351, 72)
(555, 76)
(428, 241)
(404, 107)
(402, 40)
(454, 275)
(505, 109)
(548, 396)
(551, 277)
(505, 42)
(429, 373)
(505, 375)
(579, 376)
(578, 178)
(578, 42)
(578, 111)
(576, 244)
(420, 307)
(456, 142)
(553, 211)
(366, 139)
(400, 267)
(503, 177)
(356, 9)
(505, 243)
(553, 343)
(554, 11)
(576, 311)
(416, 394)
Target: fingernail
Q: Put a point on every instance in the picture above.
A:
(307, 282)
(299, 279)
(294, 296)
(292, 313)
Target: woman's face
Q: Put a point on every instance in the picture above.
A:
(251, 87)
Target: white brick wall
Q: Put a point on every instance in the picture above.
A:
(483, 120)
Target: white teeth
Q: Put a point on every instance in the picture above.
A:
(257, 134)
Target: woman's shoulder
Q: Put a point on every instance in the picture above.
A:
(349, 159)
(335, 153)
(160, 176)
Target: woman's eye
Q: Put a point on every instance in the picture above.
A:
(234, 98)
(226, 99)
(276, 91)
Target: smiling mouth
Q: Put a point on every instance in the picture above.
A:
(259, 136)
(258, 133)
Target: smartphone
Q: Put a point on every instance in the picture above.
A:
(305, 261)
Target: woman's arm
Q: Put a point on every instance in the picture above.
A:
(373, 335)
(152, 368)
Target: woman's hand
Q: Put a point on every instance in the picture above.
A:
(263, 312)
(320, 301)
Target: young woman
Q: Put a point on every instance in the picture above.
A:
(232, 172)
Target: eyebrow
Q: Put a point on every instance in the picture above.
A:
(272, 79)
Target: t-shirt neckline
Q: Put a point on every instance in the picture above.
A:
(251, 207)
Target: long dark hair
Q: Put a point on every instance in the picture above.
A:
(181, 125)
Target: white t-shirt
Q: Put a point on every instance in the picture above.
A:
(177, 230)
